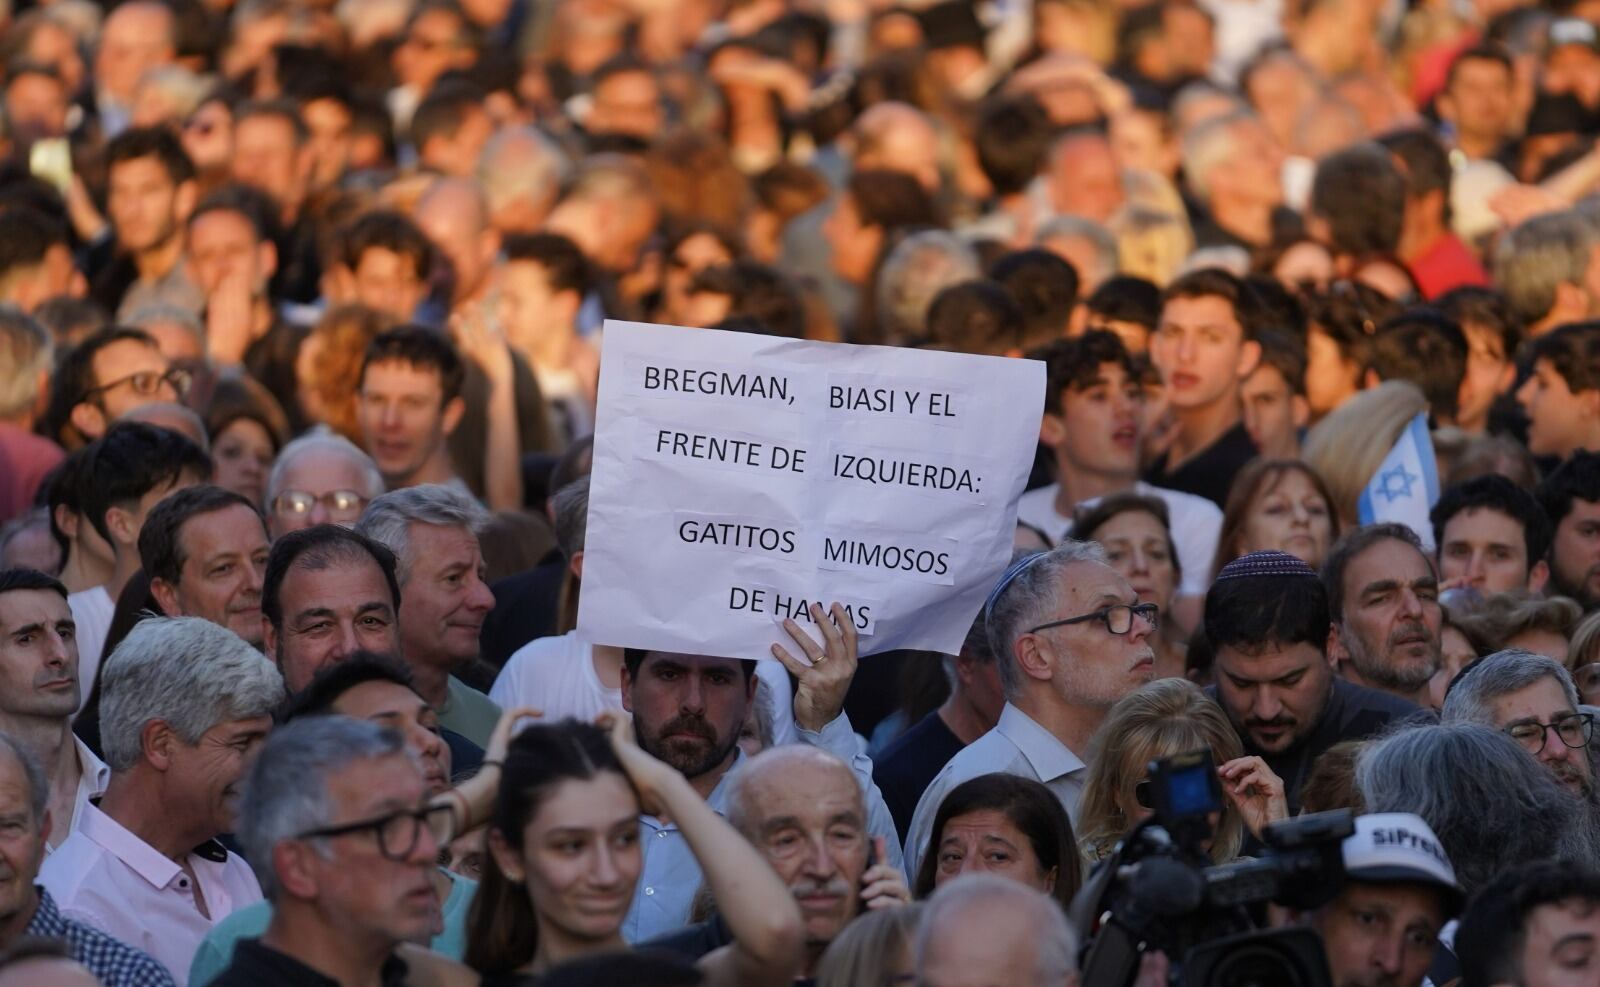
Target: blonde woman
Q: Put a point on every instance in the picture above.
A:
(1347, 447)
(874, 950)
(1168, 717)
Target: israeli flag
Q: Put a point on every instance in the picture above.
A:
(1406, 485)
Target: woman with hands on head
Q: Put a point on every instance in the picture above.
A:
(565, 860)
(1163, 719)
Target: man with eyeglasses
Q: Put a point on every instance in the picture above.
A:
(1532, 699)
(349, 869)
(319, 478)
(183, 710)
(110, 373)
(1071, 639)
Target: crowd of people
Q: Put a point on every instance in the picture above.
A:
(301, 308)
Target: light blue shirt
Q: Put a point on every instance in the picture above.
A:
(216, 949)
(1017, 745)
(671, 875)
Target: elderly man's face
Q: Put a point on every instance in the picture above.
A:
(319, 486)
(1381, 935)
(1389, 628)
(1545, 703)
(808, 820)
(21, 840)
(446, 598)
(205, 775)
(990, 946)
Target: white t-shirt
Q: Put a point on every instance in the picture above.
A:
(1196, 525)
(91, 611)
(556, 675)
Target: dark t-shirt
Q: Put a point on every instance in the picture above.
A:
(255, 965)
(1353, 713)
(1210, 473)
(910, 762)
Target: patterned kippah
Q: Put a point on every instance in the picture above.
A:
(1266, 564)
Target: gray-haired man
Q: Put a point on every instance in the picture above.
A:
(433, 529)
(983, 930)
(337, 823)
(184, 705)
(1071, 638)
(1531, 698)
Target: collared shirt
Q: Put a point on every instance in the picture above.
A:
(92, 610)
(256, 965)
(93, 777)
(113, 963)
(108, 877)
(671, 876)
(1017, 745)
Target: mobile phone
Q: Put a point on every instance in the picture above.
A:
(50, 159)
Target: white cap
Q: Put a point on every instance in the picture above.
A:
(1398, 847)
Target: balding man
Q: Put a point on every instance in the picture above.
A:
(521, 172)
(1071, 639)
(321, 478)
(898, 137)
(804, 810)
(609, 213)
(983, 930)
(137, 36)
(1532, 699)
(454, 216)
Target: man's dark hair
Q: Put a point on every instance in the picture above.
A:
(160, 545)
(1427, 163)
(1251, 613)
(247, 202)
(1361, 194)
(131, 460)
(391, 231)
(1485, 307)
(1352, 544)
(286, 110)
(1282, 310)
(26, 235)
(1423, 346)
(1012, 140)
(1494, 928)
(757, 291)
(1574, 351)
(1576, 479)
(1287, 355)
(1479, 53)
(442, 112)
(157, 142)
(1495, 492)
(13, 580)
(1126, 298)
(1349, 313)
(565, 267)
(1074, 364)
(622, 64)
(74, 377)
(61, 488)
(976, 316)
(320, 547)
(890, 199)
(1045, 288)
(421, 347)
(633, 658)
(333, 681)
(1214, 282)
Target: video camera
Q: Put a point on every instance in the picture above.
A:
(1159, 891)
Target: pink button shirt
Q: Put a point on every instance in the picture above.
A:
(109, 878)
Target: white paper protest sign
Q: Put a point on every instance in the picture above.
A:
(738, 478)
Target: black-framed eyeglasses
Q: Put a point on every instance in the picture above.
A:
(147, 383)
(397, 832)
(1574, 729)
(1118, 617)
(340, 503)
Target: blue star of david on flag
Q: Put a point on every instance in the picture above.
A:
(1405, 486)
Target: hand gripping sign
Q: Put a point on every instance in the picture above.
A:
(738, 478)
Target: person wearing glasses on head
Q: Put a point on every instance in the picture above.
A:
(320, 478)
(1533, 700)
(109, 374)
(1071, 639)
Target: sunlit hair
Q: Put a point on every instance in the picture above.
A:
(1164, 718)
(1257, 479)
(867, 952)
(1347, 447)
